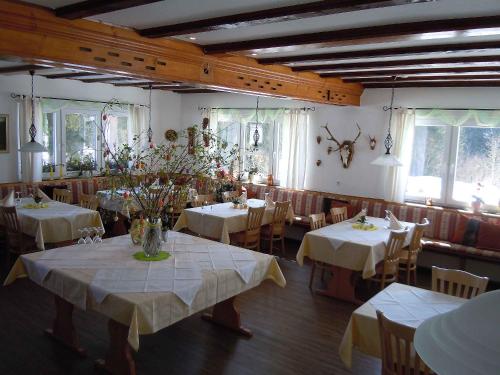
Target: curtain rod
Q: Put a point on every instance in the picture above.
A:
(13, 96)
(260, 108)
(386, 108)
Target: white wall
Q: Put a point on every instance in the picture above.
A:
(165, 113)
(360, 178)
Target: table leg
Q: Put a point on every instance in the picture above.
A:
(119, 360)
(62, 329)
(342, 285)
(226, 315)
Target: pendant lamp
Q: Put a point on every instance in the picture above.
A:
(256, 135)
(150, 131)
(387, 159)
(32, 145)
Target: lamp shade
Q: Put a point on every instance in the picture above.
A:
(465, 341)
(387, 160)
(32, 146)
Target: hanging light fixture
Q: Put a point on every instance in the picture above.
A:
(32, 145)
(150, 131)
(256, 135)
(387, 159)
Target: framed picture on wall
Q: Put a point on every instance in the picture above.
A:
(4, 133)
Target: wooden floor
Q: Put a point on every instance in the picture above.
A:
(295, 332)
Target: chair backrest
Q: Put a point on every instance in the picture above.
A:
(9, 218)
(254, 222)
(62, 195)
(418, 233)
(89, 201)
(228, 196)
(279, 217)
(394, 245)
(398, 353)
(200, 199)
(317, 221)
(457, 283)
(338, 214)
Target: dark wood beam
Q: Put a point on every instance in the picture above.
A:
(139, 84)
(458, 83)
(399, 72)
(168, 87)
(384, 52)
(21, 68)
(398, 63)
(71, 75)
(196, 91)
(461, 77)
(107, 79)
(280, 14)
(92, 7)
(359, 35)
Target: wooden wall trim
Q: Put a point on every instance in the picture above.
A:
(38, 36)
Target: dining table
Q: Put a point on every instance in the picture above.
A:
(404, 304)
(142, 297)
(53, 221)
(218, 221)
(350, 250)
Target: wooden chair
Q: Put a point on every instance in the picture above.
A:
(179, 203)
(201, 199)
(338, 214)
(17, 242)
(398, 353)
(276, 230)
(62, 195)
(317, 221)
(457, 283)
(89, 201)
(409, 254)
(250, 239)
(388, 269)
(229, 196)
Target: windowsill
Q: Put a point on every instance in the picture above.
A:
(462, 209)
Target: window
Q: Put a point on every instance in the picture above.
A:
(456, 157)
(72, 138)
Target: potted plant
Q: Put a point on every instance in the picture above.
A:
(476, 204)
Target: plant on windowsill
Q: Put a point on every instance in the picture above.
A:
(140, 168)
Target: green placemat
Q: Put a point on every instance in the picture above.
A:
(35, 206)
(367, 227)
(162, 255)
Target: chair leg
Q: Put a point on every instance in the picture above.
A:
(283, 245)
(311, 278)
(271, 245)
(415, 276)
(408, 274)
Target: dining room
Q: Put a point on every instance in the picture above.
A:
(250, 187)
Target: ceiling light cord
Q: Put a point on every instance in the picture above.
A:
(150, 130)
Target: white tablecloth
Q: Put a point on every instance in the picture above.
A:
(106, 278)
(57, 223)
(342, 245)
(404, 304)
(219, 220)
(116, 202)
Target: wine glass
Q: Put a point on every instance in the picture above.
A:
(98, 233)
(81, 240)
(18, 197)
(88, 237)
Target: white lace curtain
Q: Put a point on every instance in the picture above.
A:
(294, 151)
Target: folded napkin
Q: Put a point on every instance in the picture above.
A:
(44, 196)
(8, 201)
(269, 201)
(394, 222)
(360, 213)
(243, 197)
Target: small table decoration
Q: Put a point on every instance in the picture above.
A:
(35, 206)
(141, 256)
(363, 224)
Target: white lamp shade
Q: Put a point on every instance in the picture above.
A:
(32, 146)
(387, 160)
(465, 341)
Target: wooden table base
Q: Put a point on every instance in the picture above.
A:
(342, 285)
(119, 359)
(226, 315)
(62, 329)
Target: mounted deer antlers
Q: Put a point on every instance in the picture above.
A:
(346, 148)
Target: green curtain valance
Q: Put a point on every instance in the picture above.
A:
(452, 117)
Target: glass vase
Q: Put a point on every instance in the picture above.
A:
(151, 242)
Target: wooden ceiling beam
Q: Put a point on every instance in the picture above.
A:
(31, 32)
(106, 79)
(196, 91)
(458, 83)
(71, 75)
(398, 63)
(21, 68)
(399, 72)
(384, 52)
(373, 34)
(93, 7)
(266, 16)
(461, 77)
(168, 87)
(138, 84)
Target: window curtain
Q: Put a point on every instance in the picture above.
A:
(139, 117)
(294, 148)
(403, 131)
(31, 163)
(458, 117)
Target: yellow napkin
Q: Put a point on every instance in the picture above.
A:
(360, 213)
(44, 196)
(8, 201)
(269, 201)
(394, 223)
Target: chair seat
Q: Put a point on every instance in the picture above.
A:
(403, 258)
